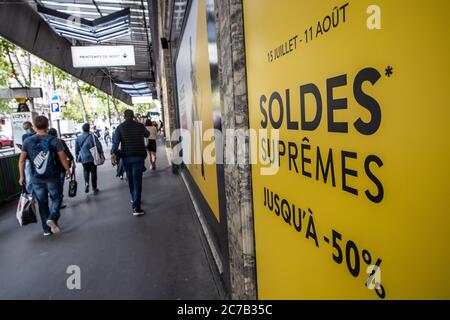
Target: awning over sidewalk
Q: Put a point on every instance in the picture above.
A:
(21, 24)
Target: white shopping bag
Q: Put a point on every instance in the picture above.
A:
(25, 212)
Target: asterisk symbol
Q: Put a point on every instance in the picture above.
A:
(389, 71)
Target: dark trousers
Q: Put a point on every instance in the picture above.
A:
(120, 168)
(90, 168)
(134, 167)
(62, 178)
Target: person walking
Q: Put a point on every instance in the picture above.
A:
(130, 136)
(97, 131)
(69, 156)
(29, 131)
(151, 143)
(106, 136)
(42, 150)
(83, 144)
(161, 127)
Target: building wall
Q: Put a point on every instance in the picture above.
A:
(378, 103)
(236, 222)
(237, 176)
(166, 70)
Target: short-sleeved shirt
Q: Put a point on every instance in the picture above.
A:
(153, 132)
(56, 146)
(26, 136)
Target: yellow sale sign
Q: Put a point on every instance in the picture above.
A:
(357, 91)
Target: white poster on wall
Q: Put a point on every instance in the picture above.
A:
(186, 82)
(17, 120)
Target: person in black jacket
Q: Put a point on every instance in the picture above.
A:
(130, 136)
(70, 158)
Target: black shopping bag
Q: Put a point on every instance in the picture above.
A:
(25, 212)
(73, 185)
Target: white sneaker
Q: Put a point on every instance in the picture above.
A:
(53, 226)
(46, 234)
(138, 212)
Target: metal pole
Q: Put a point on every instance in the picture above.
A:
(109, 107)
(54, 89)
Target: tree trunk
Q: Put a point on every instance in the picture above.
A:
(30, 79)
(20, 68)
(115, 108)
(82, 103)
(13, 69)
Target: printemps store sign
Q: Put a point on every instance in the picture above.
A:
(357, 91)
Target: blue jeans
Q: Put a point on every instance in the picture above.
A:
(28, 186)
(134, 167)
(41, 192)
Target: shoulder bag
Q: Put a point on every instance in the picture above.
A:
(99, 159)
(73, 184)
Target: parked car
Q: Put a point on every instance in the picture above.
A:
(5, 141)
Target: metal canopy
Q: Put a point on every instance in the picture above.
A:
(100, 30)
(179, 11)
(21, 24)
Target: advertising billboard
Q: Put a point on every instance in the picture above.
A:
(356, 92)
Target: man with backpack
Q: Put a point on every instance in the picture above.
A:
(43, 151)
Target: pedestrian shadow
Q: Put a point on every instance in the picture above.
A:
(79, 201)
(70, 229)
(158, 172)
(5, 232)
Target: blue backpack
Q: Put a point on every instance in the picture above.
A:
(43, 159)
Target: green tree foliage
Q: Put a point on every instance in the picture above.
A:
(7, 50)
(4, 75)
(16, 65)
(143, 108)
